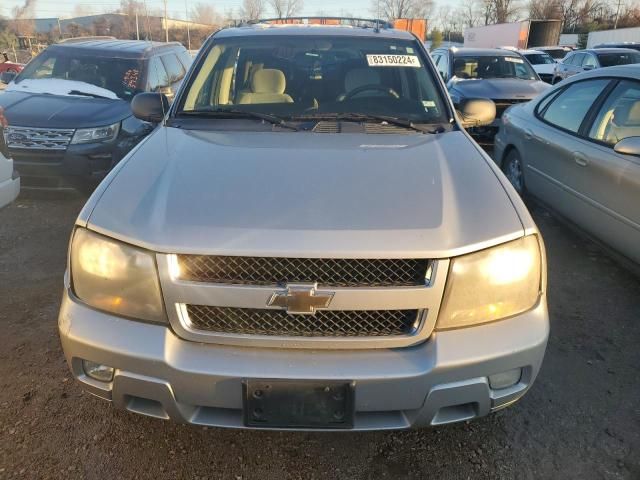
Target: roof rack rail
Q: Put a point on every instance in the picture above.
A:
(321, 20)
(85, 39)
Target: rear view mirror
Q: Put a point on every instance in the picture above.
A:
(628, 146)
(477, 112)
(7, 77)
(150, 107)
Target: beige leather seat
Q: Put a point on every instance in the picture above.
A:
(267, 86)
(625, 123)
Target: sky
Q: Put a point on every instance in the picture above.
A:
(177, 8)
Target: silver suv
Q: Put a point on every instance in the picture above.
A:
(309, 240)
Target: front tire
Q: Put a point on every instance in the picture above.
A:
(513, 169)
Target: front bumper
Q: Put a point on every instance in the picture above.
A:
(83, 164)
(442, 380)
(10, 187)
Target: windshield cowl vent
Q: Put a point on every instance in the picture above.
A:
(354, 127)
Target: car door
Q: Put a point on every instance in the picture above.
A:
(609, 182)
(589, 62)
(552, 140)
(575, 66)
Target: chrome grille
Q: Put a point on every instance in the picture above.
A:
(502, 105)
(326, 272)
(31, 138)
(324, 323)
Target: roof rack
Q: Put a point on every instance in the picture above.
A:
(320, 20)
(85, 39)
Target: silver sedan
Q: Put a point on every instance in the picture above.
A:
(577, 148)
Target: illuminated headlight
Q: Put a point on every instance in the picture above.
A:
(115, 277)
(492, 284)
(97, 134)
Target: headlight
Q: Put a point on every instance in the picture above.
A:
(97, 134)
(115, 277)
(492, 284)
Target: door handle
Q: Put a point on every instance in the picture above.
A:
(580, 159)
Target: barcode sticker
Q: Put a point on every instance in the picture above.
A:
(393, 61)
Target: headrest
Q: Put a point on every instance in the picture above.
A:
(359, 77)
(268, 80)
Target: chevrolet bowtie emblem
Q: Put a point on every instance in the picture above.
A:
(301, 299)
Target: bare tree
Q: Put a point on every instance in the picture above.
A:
(470, 13)
(505, 10)
(286, 8)
(542, 9)
(393, 9)
(252, 10)
(204, 13)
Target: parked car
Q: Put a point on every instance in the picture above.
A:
(556, 52)
(501, 75)
(9, 179)
(8, 66)
(584, 60)
(632, 45)
(309, 240)
(69, 110)
(577, 148)
(542, 63)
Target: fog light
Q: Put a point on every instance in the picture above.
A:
(505, 379)
(97, 371)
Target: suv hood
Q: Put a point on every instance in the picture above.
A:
(499, 88)
(305, 195)
(56, 111)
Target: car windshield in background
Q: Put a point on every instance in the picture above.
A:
(489, 66)
(294, 77)
(118, 76)
(556, 53)
(539, 58)
(613, 59)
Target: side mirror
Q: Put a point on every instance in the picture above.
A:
(477, 112)
(150, 107)
(628, 146)
(7, 77)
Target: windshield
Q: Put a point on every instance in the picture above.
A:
(556, 53)
(612, 59)
(113, 77)
(489, 66)
(313, 75)
(539, 59)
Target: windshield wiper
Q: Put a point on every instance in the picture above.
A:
(87, 94)
(366, 117)
(232, 113)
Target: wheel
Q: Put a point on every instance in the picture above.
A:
(512, 168)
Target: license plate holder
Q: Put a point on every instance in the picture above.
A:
(298, 404)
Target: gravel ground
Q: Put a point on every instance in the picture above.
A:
(581, 419)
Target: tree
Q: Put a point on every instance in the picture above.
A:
(436, 38)
(204, 13)
(286, 8)
(470, 13)
(252, 10)
(393, 9)
(543, 9)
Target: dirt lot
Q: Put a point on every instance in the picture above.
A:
(580, 420)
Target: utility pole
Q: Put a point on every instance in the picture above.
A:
(615, 25)
(137, 26)
(186, 16)
(166, 23)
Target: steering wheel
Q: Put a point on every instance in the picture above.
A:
(370, 88)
